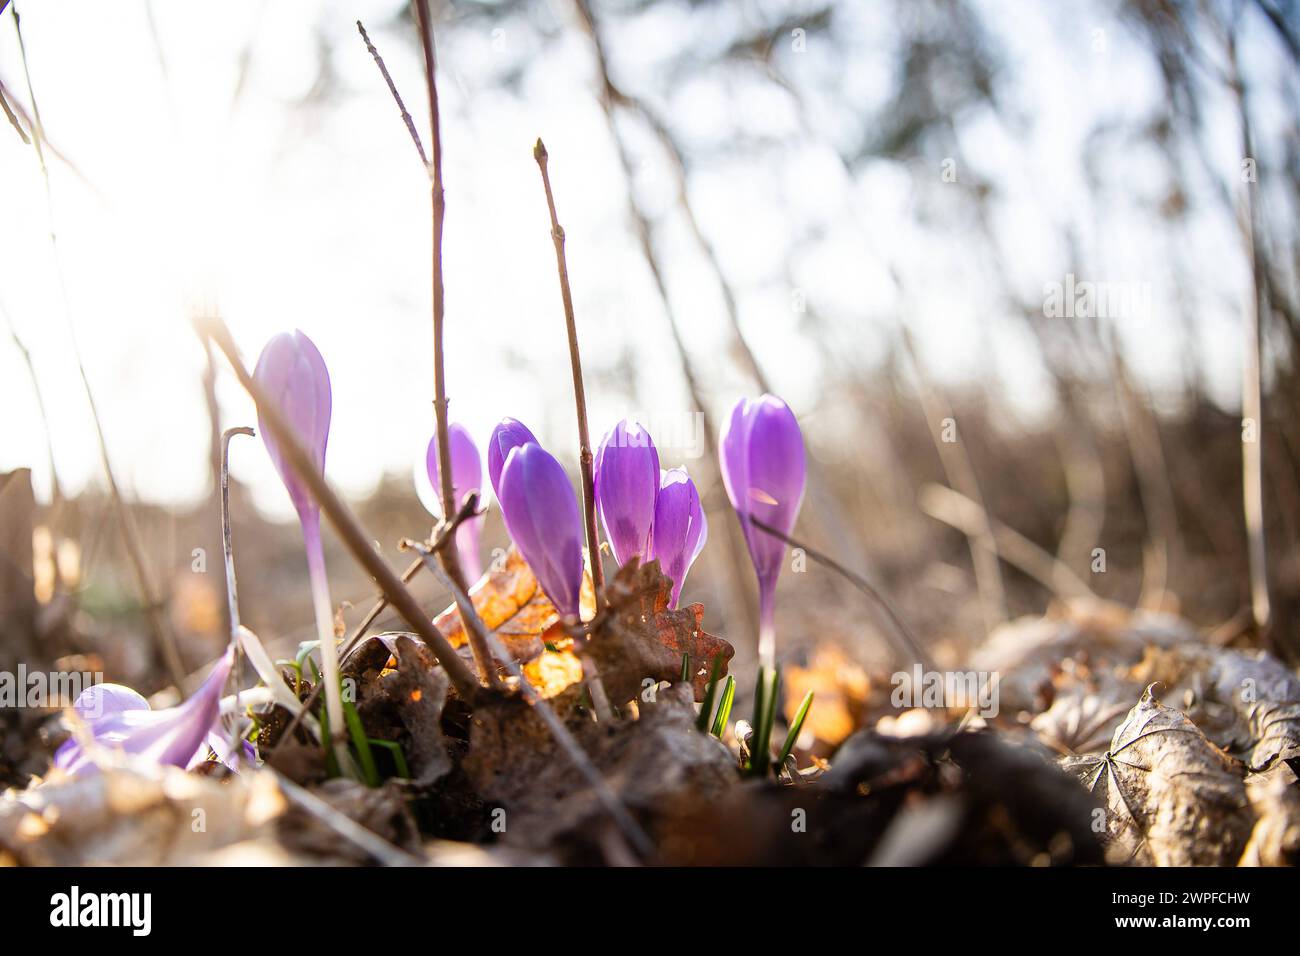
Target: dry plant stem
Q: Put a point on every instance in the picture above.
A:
(956, 510)
(467, 511)
(345, 826)
(13, 120)
(1251, 399)
(447, 553)
(56, 489)
(345, 523)
(911, 647)
(164, 640)
(630, 829)
(397, 97)
(579, 390)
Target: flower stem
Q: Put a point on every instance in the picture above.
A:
(767, 624)
(329, 654)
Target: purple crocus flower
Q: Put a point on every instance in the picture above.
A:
(627, 483)
(466, 476)
(120, 719)
(294, 377)
(542, 516)
(507, 436)
(763, 468)
(293, 374)
(680, 528)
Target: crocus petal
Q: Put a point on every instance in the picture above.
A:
(103, 700)
(166, 737)
(764, 470)
(293, 374)
(506, 437)
(541, 514)
(680, 528)
(466, 477)
(627, 484)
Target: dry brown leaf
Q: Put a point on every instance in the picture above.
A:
(1078, 723)
(1172, 798)
(1275, 798)
(512, 603)
(638, 637)
(842, 689)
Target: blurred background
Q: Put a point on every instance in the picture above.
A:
(1009, 263)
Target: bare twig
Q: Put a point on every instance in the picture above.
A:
(911, 647)
(397, 97)
(164, 640)
(447, 553)
(579, 390)
(345, 523)
(626, 823)
(13, 120)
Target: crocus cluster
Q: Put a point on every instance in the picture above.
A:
(763, 468)
(648, 513)
(119, 719)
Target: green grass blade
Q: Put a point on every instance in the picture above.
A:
(796, 725)
(399, 758)
(771, 694)
(706, 709)
(686, 668)
(724, 709)
(359, 740)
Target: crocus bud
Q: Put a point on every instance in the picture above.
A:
(627, 483)
(466, 477)
(763, 469)
(294, 376)
(120, 719)
(507, 436)
(542, 516)
(680, 528)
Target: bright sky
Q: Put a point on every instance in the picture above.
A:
(283, 215)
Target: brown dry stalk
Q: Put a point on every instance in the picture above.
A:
(397, 97)
(354, 536)
(447, 553)
(585, 459)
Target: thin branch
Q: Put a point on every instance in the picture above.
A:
(13, 120)
(579, 390)
(613, 805)
(447, 554)
(397, 97)
(354, 536)
(912, 646)
(56, 490)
